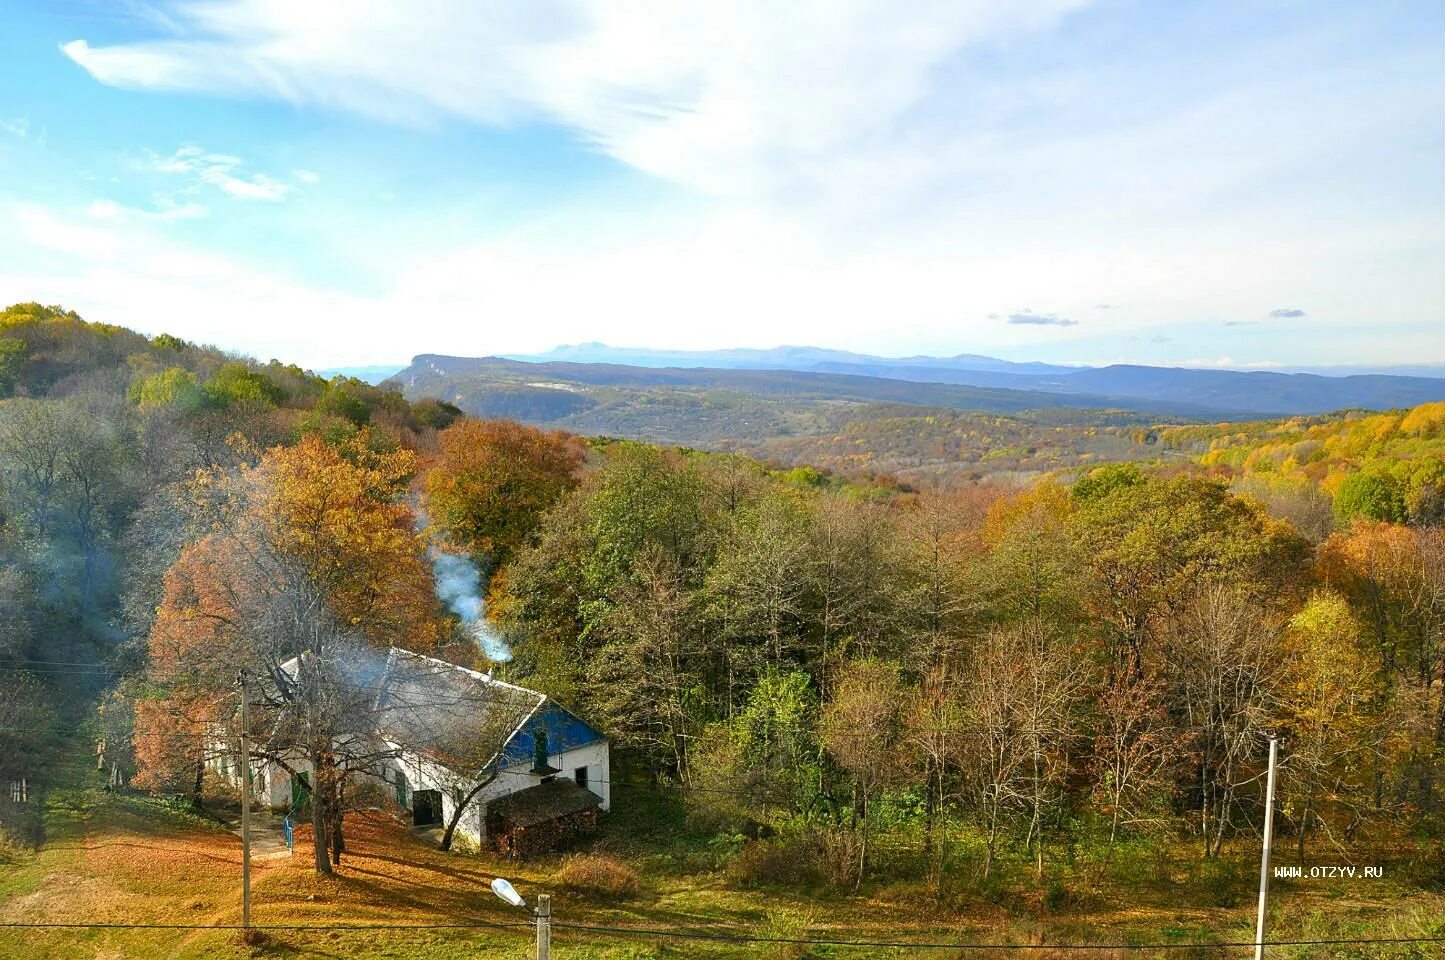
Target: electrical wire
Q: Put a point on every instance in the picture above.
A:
(955, 945)
(729, 937)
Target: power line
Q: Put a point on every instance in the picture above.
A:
(955, 945)
(718, 936)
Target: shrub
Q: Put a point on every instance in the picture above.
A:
(1056, 896)
(809, 858)
(838, 855)
(599, 875)
(11, 850)
(789, 860)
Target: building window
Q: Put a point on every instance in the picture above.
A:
(580, 775)
(401, 788)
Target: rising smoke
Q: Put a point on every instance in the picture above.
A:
(459, 585)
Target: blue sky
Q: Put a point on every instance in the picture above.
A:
(1242, 184)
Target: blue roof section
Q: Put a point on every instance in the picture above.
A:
(564, 732)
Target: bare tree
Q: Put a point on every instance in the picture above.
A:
(995, 756)
(933, 731)
(1224, 664)
(1135, 745)
(1022, 714)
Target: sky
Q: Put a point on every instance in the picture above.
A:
(344, 182)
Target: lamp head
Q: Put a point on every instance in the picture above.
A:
(507, 892)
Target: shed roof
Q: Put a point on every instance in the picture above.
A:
(546, 801)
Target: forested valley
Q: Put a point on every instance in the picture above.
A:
(992, 688)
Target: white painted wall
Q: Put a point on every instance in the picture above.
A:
(423, 773)
(273, 784)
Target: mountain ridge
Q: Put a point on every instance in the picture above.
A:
(1167, 391)
(801, 357)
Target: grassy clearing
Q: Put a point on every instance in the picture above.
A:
(128, 859)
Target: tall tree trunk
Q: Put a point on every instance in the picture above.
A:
(338, 815)
(863, 839)
(319, 843)
(991, 841)
(200, 781)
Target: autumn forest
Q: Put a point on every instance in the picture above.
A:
(1036, 688)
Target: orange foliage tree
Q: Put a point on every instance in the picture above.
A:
(311, 558)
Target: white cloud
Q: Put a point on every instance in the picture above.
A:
(166, 212)
(39, 227)
(667, 283)
(16, 127)
(219, 170)
(870, 173)
(740, 97)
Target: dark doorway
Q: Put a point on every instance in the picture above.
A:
(426, 807)
(300, 790)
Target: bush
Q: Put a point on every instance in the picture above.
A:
(790, 860)
(1056, 896)
(11, 850)
(599, 875)
(810, 858)
(781, 860)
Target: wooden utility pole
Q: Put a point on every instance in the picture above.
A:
(544, 927)
(1264, 857)
(245, 804)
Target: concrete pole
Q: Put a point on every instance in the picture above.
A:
(1264, 857)
(245, 804)
(544, 927)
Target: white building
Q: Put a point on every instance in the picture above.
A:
(440, 730)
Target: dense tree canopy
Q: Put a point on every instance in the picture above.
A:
(1021, 664)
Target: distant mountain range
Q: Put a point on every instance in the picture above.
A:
(918, 419)
(966, 381)
(547, 392)
(776, 358)
(844, 361)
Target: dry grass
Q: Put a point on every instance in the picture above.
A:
(124, 860)
(599, 876)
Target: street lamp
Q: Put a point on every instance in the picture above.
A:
(507, 892)
(543, 913)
